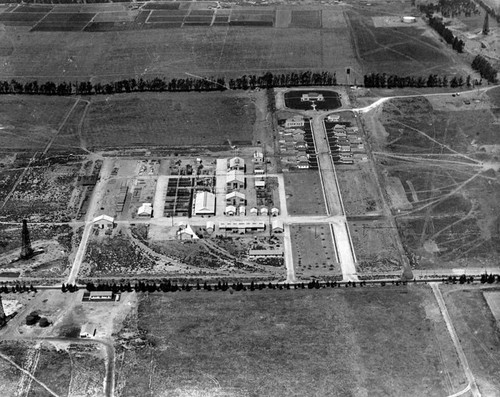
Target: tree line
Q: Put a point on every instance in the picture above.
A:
(382, 80)
(438, 25)
(157, 84)
(485, 69)
(450, 8)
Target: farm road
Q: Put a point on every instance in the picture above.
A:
(456, 341)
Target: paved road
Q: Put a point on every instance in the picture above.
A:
(458, 346)
(326, 168)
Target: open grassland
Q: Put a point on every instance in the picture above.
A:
(28, 122)
(297, 342)
(173, 52)
(304, 194)
(404, 50)
(479, 335)
(439, 165)
(169, 119)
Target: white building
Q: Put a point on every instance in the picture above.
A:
(230, 210)
(312, 96)
(333, 118)
(210, 227)
(235, 179)
(242, 210)
(275, 211)
(204, 203)
(264, 211)
(242, 226)
(103, 221)
(235, 163)
(277, 226)
(254, 211)
(408, 19)
(146, 210)
(258, 157)
(187, 233)
(295, 121)
(88, 330)
(260, 184)
(235, 198)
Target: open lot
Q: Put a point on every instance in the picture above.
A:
(304, 194)
(402, 50)
(439, 167)
(479, 335)
(314, 252)
(303, 342)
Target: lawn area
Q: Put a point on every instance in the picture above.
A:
(170, 119)
(479, 335)
(304, 194)
(372, 341)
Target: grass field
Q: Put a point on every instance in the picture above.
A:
(304, 193)
(28, 122)
(298, 342)
(479, 335)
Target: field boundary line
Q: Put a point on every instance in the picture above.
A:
(60, 127)
(45, 16)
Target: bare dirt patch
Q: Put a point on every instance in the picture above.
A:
(304, 193)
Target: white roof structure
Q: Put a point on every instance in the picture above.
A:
(235, 162)
(333, 117)
(242, 225)
(254, 211)
(258, 155)
(145, 209)
(260, 183)
(234, 195)
(187, 232)
(275, 211)
(264, 211)
(204, 203)
(104, 218)
(235, 175)
(277, 225)
(230, 209)
(210, 225)
(87, 331)
(242, 210)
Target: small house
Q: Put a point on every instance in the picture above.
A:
(275, 211)
(235, 179)
(242, 210)
(187, 233)
(264, 211)
(103, 221)
(236, 163)
(235, 198)
(254, 211)
(210, 228)
(230, 210)
(88, 330)
(295, 121)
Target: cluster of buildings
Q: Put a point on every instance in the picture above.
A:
(296, 143)
(343, 139)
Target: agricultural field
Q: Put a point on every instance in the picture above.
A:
(478, 332)
(265, 342)
(441, 158)
(76, 369)
(314, 253)
(376, 246)
(304, 194)
(165, 49)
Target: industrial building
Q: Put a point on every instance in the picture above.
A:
(204, 203)
(242, 226)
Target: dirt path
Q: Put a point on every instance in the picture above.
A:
(456, 341)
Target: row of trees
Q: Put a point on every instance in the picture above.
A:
(438, 25)
(157, 84)
(450, 8)
(485, 69)
(393, 81)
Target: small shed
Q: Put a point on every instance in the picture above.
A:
(275, 211)
(264, 211)
(242, 210)
(187, 233)
(88, 330)
(145, 210)
(260, 184)
(230, 210)
(254, 211)
(210, 227)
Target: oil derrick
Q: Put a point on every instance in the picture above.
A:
(2, 313)
(26, 250)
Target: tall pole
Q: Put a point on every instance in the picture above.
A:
(26, 250)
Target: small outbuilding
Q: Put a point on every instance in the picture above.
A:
(210, 227)
(277, 226)
(230, 210)
(145, 210)
(88, 330)
(264, 211)
(260, 184)
(236, 163)
(242, 210)
(187, 233)
(275, 211)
